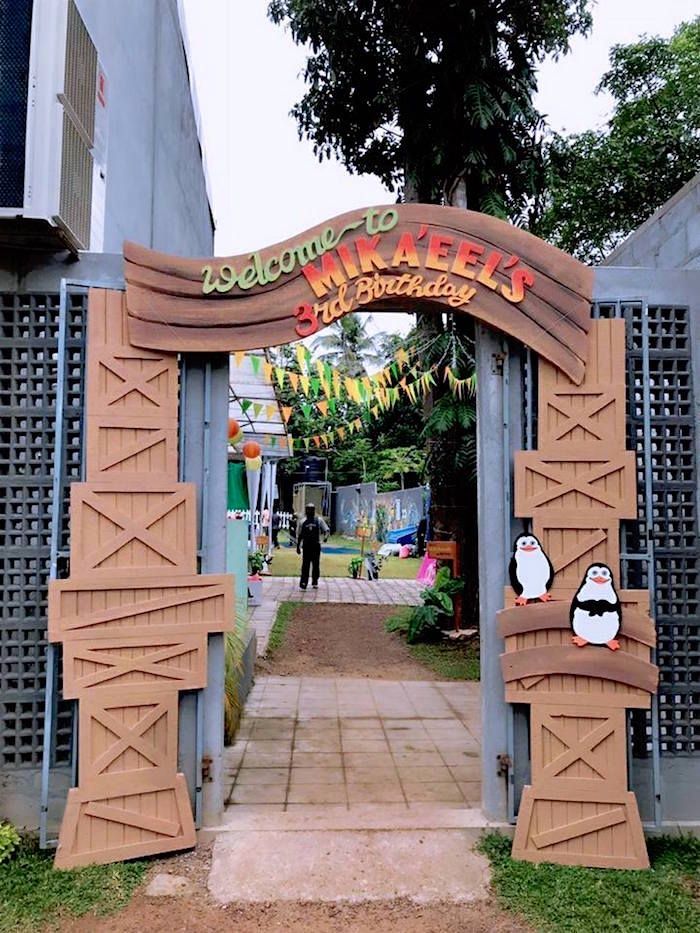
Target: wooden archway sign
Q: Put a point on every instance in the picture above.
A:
(379, 257)
(134, 616)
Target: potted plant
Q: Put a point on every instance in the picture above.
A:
(256, 562)
(355, 567)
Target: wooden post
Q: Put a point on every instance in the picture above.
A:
(134, 616)
(448, 551)
(576, 487)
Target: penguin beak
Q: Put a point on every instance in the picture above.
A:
(599, 580)
(528, 547)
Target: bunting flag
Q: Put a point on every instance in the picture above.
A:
(306, 409)
(245, 404)
(286, 413)
(267, 371)
(239, 356)
(337, 385)
(460, 387)
(322, 407)
(294, 380)
(255, 362)
(304, 381)
(257, 408)
(280, 374)
(270, 411)
(301, 356)
(341, 433)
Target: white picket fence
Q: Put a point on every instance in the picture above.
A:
(285, 517)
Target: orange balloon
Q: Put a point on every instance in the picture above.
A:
(233, 427)
(251, 450)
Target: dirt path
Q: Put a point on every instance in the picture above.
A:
(344, 640)
(197, 912)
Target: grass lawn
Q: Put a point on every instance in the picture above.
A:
(286, 562)
(450, 660)
(33, 894)
(560, 899)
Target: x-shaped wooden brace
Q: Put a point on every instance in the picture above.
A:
(130, 736)
(135, 381)
(137, 528)
(597, 399)
(577, 749)
(149, 662)
(583, 483)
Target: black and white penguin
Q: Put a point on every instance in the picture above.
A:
(531, 572)
(596, 613)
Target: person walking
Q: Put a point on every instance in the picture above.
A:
(309, 545)
(276, 522)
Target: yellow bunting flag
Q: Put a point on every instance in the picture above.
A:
(341, 433)
(358, 424)
(301, 356)
(367, 383)
(267, 371)
(294, 380)
(304, 380)
(280, 374)
(270, 412)
(401, 357)
(286, 412)
(240, 356)
(337, 384)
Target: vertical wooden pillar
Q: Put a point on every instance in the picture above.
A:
(576, 487)
(133, 616)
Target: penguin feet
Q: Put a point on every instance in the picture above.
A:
(577, 640)
(545, 598)
(613, 644)
(521, 601)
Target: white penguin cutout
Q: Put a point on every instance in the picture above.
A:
(531, 572)
(596, 613)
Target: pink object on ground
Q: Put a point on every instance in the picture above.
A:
(428, 570)
(405, 551)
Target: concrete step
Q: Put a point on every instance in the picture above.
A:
(348, 865)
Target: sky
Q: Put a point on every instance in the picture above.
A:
(266, 185)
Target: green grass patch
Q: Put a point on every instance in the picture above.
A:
(560, 899)
(34, 894)
(456, 660)
(279, 626)
(286, 562)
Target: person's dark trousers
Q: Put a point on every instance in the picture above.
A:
(311, 560)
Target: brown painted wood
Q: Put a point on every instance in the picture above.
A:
(591, 661)
(134, 617)
(169, 310)
(555, 615)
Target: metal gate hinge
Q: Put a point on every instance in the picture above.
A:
(505, 763)
(497, 361)
(206, 768)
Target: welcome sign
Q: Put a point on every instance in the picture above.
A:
(401, 257)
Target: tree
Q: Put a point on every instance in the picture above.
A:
(603, 184)
(349, 347)
(426, 95)
(402, 460)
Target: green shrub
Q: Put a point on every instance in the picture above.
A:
(355, 566)
(428, 621)
(9, 840)
(256, 562)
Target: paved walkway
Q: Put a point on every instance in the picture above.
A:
(277, 590)
(350, 789)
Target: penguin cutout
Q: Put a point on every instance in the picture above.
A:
(530, 570)
(596, 613)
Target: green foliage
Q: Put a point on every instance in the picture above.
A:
(256, 562)
(425, 94)
(602, 184)
(33, 894)
(348, 346)
(428, 621)
(285, 611)
(590, 900)
(355, 566)
(402, 460)
(9, 840)
(234, 648)
(449, 660)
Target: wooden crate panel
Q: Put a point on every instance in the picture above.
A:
(576, 481)
(121, 379)
(574, 540)
(127, 447)
(145, 528)
(128, 741)
(80, 609)
(603, 832)
(99, 828)
(592, 413)
(159, 663)
(578, 749)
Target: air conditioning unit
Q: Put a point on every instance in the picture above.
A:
(53, 128)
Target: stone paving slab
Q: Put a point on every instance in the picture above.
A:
(348, 866)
